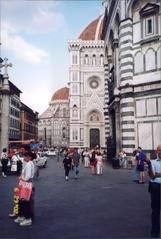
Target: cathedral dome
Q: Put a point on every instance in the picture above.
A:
(61, 94)
(93, 31)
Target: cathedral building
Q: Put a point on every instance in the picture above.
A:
(53, 126)
(86, 87)
(132, 37)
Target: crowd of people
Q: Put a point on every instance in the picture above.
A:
(92, 158)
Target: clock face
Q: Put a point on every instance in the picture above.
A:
(93, 84)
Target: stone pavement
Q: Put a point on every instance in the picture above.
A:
(92, 207)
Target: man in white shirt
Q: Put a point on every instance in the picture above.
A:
(25, 217)
(154, 170)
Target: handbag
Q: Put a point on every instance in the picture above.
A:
(25, 190)
(14, 167)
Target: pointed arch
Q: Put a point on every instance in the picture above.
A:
(150, 64)
(138, 62)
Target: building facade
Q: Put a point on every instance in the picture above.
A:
(86, 87)
(29, 123)
(53, 124)
(132, 36)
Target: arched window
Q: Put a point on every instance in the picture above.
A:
(94, 60)
(75, 134)
(75, 112)
(159, 58)
(74, 59)
(63, 132)
(138, 62)
(64, 112)
(150, 60)
(101, 60)
(86, 60)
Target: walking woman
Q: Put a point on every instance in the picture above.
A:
(67, 165)
(4, 162)
(93, 161)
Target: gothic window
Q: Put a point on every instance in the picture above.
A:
(94, 60)
(150, 60)
(75, 112)
(159, 58)
(75, 134)
(86, 60)
(101, 60)
(64, 112)
(74, 75)
(74, 59)
(63, 132)
(138, 62)
(74, 88)
(149, 21)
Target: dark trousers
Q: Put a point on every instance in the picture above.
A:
(26, 208)
(155, 206)
(4, 166)
(67, 169)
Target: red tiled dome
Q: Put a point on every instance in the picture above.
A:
(61, 94)
(93, 31)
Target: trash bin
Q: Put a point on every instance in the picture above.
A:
(116, 163)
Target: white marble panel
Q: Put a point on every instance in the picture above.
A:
(150, 60)
(145, 135)
(140, 108)
(151, 106)
(157, 133)
(159, 106)
(136, 32)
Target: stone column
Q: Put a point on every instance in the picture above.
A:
(5, 113)
(127, 106)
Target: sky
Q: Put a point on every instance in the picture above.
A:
(34, 37)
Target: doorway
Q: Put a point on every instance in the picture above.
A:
(94, 137)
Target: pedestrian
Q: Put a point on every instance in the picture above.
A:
(135, 172)
(4, 162)
(93, 161)
(75, 162)
(99, 160)
(140, 164)
(26, 206)
(67, 161)
(123, 159)
(86, 158)
(154, 170)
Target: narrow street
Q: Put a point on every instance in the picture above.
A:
(107, 206)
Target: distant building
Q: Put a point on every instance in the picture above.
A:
(132, 36)
(53, 126)
(14, 114)
(9, 112)
(29, 123)
(86, 83)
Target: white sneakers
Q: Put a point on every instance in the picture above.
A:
(66, 178)
(4, 175)
(26, 222)
(19, 219)
(23, 222)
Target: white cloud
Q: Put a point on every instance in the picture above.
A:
(20, 47)
(37, 100)
(33, 17)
